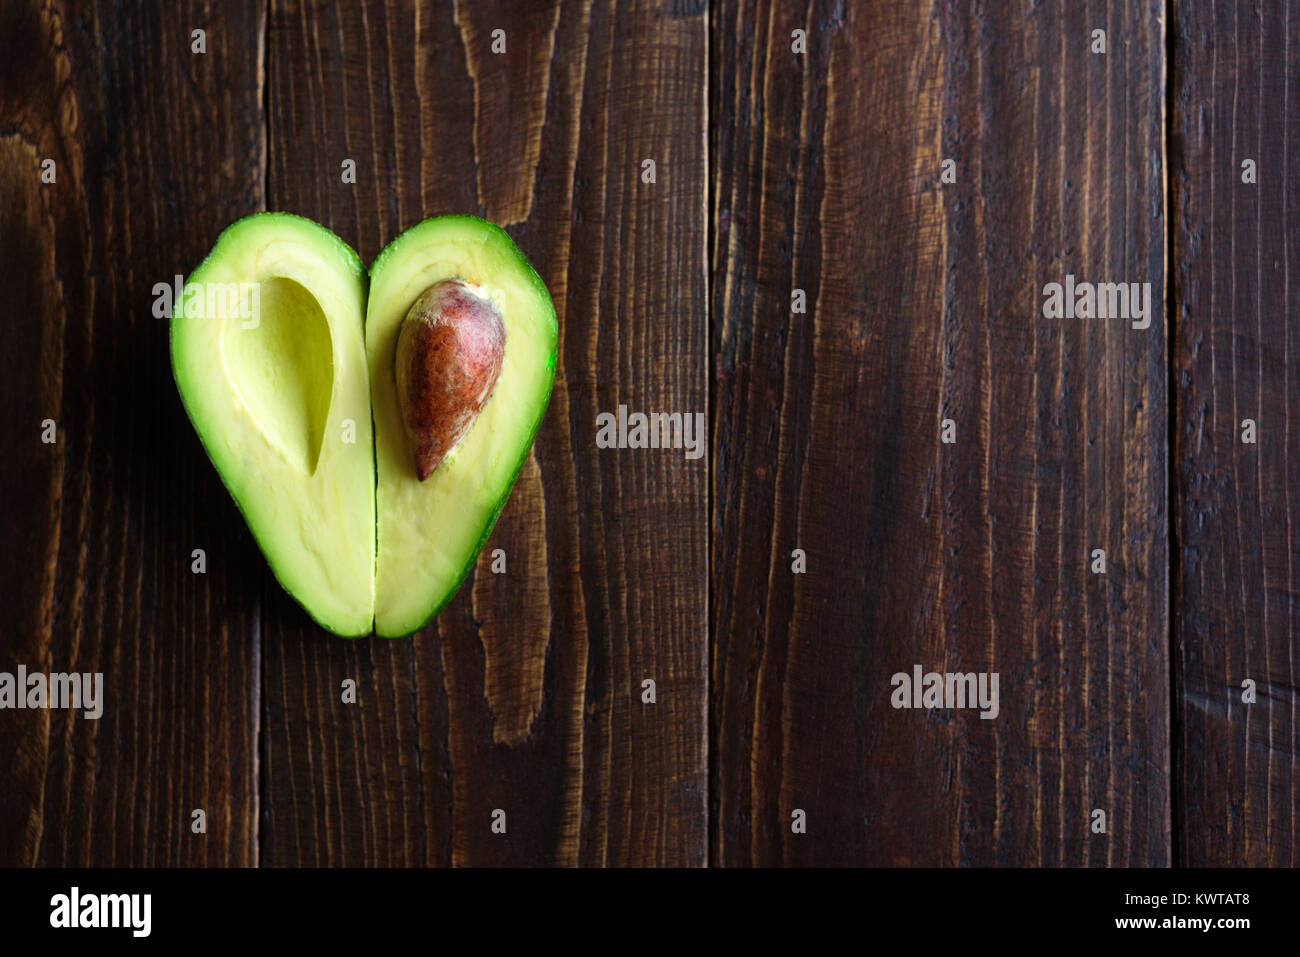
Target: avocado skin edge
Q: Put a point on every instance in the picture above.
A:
(536, 280)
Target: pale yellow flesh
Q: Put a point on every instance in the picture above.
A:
(427, 531)
(276, 406)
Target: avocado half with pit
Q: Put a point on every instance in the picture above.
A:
(284, 356)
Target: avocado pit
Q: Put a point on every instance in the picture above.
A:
(448, 360)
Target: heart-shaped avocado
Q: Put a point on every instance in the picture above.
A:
(283, 360)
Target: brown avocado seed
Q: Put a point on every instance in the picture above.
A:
(449, 353)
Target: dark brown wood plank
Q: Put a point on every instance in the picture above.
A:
(525, 694)
(1236, 252)
(156, 150)
(925, 303)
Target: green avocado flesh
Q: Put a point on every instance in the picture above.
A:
(274, 403)
(283, 373)
(430, 532)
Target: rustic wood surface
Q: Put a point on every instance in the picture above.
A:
(924, 304)
(775, 171)
(1237, 248)
(156, 150)
(525, 693)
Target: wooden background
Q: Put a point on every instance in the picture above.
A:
(775, 171)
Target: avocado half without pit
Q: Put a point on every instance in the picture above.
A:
(369, 427)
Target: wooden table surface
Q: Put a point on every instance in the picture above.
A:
(772, 738)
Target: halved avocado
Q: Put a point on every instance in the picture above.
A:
(279, 395)
(430, 531)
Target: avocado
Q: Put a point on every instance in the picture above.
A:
(268, 352)
(370, 443)
(445, 462)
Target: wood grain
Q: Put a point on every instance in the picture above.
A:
(1236, 249)
(156, 149)
(525, 694)
(924, 304)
